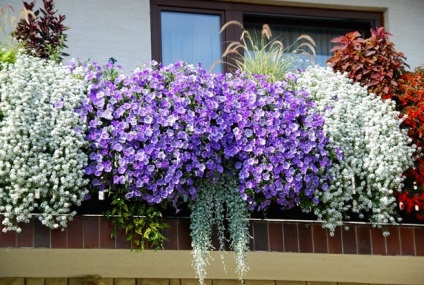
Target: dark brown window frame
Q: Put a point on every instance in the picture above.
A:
(235, 11)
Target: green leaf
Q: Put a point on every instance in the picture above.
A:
(8, 56)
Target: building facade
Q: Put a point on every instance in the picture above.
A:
(283, 252)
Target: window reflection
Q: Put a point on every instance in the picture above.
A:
(191, 37)
(322, 30)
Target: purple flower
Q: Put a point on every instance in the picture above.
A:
(59, 104)
(117, 179)
(157, 132)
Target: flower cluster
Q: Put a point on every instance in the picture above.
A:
(180, 133)
(375, 150)
(275, 140)
(142, 130)
(41, 143)
(160, 130)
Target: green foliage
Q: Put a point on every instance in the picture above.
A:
(216, 204)
(55, 52)
(8, 56)
(266, 56)
(373, 62)
(143, 224)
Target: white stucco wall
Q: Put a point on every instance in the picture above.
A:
(100, 29)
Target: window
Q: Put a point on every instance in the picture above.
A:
(191, 37)
(322, 30)
(189, 30)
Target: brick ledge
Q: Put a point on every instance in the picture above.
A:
(94, 231)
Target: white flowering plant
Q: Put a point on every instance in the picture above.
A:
(374, 151)
(42, 143)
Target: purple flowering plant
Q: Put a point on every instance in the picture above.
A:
(156, 132)
(278, 143)
(176, 133)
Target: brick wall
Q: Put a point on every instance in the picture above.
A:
(277, 236)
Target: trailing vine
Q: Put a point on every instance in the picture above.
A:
(238, 228)
(218, 201)
(141, 223)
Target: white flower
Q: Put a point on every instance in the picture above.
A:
(375, 150)
(38, 145)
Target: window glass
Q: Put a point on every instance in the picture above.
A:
(287, 29)
(191, 37)
(189, 30)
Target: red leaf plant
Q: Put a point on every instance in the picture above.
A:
(41, 31)
(410, 98)
(372, 62)
(375, 63)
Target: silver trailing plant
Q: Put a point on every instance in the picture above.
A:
(218, 202)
